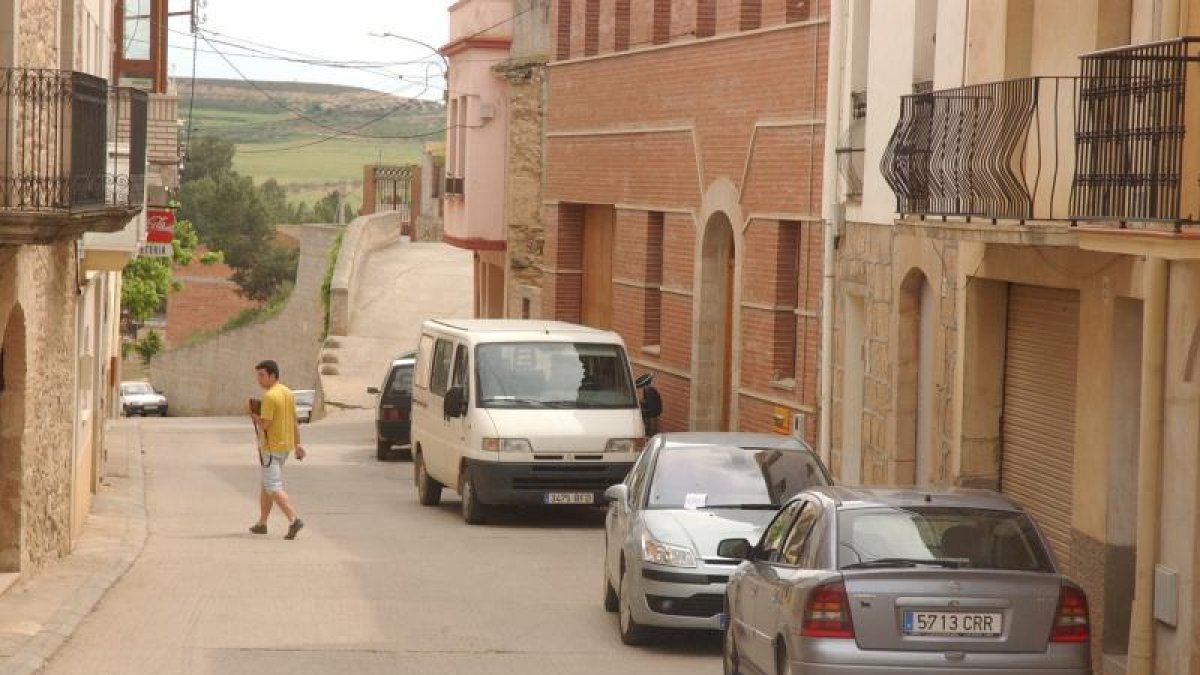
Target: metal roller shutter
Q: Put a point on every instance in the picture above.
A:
(1037, 457)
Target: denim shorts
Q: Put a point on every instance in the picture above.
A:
(272, 471)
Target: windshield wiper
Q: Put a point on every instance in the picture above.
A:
(746, 507)
(905, 562)
(515, 400)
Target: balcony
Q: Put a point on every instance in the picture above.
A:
(72, 155)
(1105, 148)
(996, 151)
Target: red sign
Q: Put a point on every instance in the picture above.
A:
(160, 226)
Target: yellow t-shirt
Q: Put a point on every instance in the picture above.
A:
(279, 414)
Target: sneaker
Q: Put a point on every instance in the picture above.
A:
(294, 528)
(258, 528)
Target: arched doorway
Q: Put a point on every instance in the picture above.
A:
(914, 409)
(12, 433)
(714, 382)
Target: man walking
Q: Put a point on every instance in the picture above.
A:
(279, 434)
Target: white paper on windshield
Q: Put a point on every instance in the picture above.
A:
(695, 501)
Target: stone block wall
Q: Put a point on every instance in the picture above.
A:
(38, 303)
(37, 46)
(526, 109)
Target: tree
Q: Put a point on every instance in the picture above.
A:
(146, 281)
(275, 202)
(207, 156)
(275, 266)
(325, 210)
(149, 346)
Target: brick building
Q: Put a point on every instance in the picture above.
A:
(682, 200)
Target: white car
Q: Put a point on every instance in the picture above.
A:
(304, 404)
(140, 398)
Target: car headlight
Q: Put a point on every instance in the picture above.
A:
(654, 551)
(506, 445)
(625, 445)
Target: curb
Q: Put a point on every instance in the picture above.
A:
(37, 652)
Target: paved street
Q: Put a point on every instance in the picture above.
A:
(374, 584)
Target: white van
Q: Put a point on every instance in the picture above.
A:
(521, 412)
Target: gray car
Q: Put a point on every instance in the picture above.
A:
(686, 493)
(853, 581)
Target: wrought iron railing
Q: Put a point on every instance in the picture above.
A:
(1129, 149)
(57, 141)
(999, 150)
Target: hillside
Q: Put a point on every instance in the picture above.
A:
(267, 121)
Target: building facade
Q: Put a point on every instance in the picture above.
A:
(1017, 284)
(476, 142)
(684, 145)
(71, 165)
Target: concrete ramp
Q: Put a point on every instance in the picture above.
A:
(396, 288)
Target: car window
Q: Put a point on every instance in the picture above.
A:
(636, 481)
(439, 377)
(400, 380)
(775, 534)
(716, 476)
(304, 397)
(795, 547)
(970, 537)
(137, 389)
(461, 369)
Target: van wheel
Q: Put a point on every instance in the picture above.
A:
(382, 450)
(429, 491)
(473, 510)
(405, 454)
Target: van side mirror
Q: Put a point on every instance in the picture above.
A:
(618, 494)
(372, 390)
(455, 403)
(734, 549)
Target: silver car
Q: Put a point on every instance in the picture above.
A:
(852, 581)
(686, 493)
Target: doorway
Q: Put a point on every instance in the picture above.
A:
(853, 369)
(598, 238)
(714, 408)
(12, 434)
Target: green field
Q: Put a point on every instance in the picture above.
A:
(266, 135)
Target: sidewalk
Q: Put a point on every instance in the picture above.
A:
(38, 616)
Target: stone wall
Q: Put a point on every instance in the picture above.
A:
(364, 235)
(216, 376)
(37, 47)
(38, 304)
(526, 104)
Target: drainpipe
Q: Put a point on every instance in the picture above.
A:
(1150, 440)
(832, 214)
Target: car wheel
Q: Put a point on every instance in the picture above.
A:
(382, 449)
(429, 491)
(163, 413)
(730, 656)
(611, 602)
(632, 633)
(473, 510)
(405, 454)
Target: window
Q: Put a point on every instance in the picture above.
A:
(461, 370)
(637, 477)
(751, 14)
(797, 10)
(563, 46)
(591, 28)
(706, 18)
(622, 31)
(652, 334)
(796, 547)
(439, 379)
(772, 541)
(401, 381)
(788, 269)
(662, 22)
(561, 375)
(424, 357)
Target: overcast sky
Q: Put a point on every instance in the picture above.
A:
(332, 31)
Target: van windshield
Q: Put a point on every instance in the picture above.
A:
(553, 375)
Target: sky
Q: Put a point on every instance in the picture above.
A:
(340, 31)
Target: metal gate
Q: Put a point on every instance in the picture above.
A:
(1038, 451)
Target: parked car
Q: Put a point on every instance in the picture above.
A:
(140, 398)
(393, 415)
(849, 580)
(521, 412)
(688, 492)
(304, 404)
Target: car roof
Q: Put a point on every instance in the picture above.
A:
(406, 359)
(523, 330)
(732, 438)
(873, 497)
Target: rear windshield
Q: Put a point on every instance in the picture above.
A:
(716, 476)
(400, 381)
(137, 388)
(962, 537)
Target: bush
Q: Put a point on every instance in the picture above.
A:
(149, 346)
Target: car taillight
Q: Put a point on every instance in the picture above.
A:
(827, 613)
(1071, 622)
(395, 414)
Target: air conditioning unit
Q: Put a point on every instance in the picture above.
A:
(487, 111)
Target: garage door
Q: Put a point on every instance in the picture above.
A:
(1038, 431)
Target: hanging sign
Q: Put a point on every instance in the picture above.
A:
(160, 226)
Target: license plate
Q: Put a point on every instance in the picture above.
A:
(953, 624)
(570, 498)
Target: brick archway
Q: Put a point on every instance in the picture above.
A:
(714, 387)
(12, 435)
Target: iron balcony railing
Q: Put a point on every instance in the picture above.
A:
(1129, 143)
(69, 143)
(998, 151)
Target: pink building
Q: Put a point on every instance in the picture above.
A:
(476, 132)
